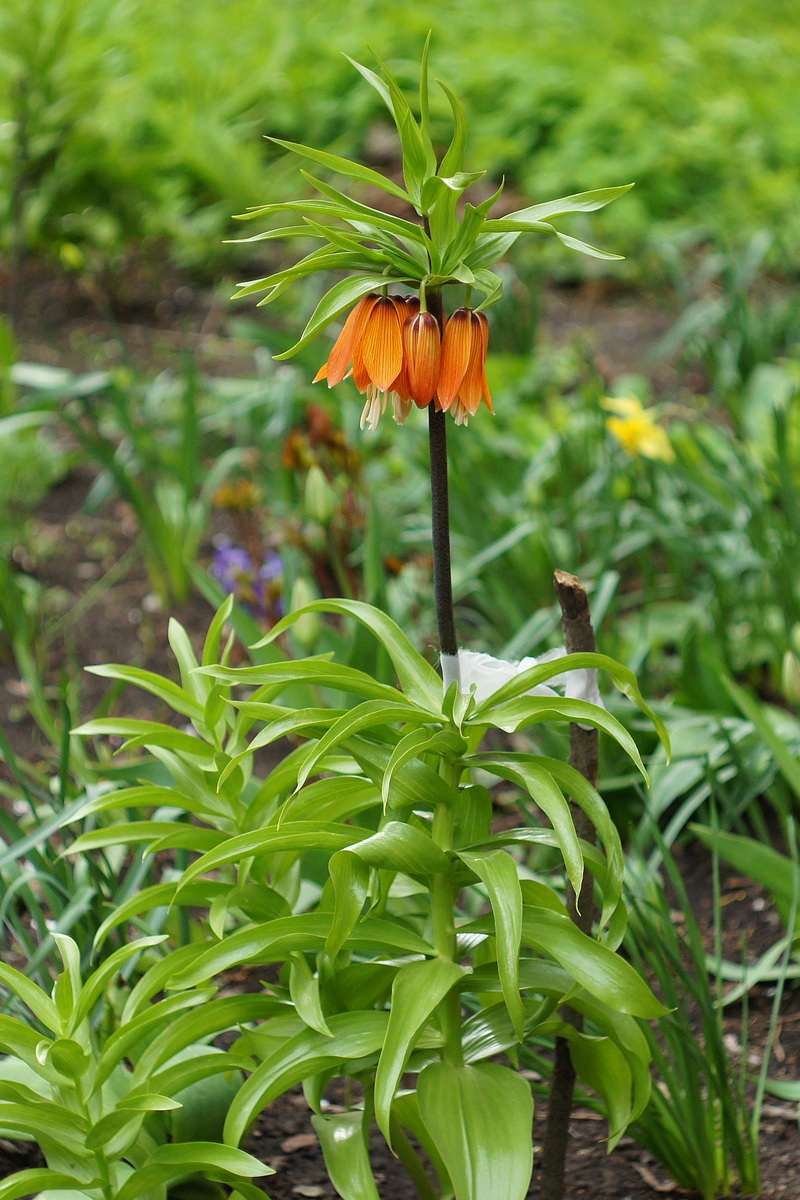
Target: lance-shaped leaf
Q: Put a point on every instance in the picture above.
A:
(480, 1118)
(341, 296)
(603, 973)
(396, 847)
(533, 710)
(317, 671)
(602, 1067)
(497, 871)
(272, 941)
(172, 1162)
(343, 166)
(525, 218)
(366, 716)
(291, 835)
(547, 795)
(416, 992)
(39, 1179)
(176, 697)
(622, 678)
(354, 1036)
(417, 678)
(341, 1136)
(414, 744)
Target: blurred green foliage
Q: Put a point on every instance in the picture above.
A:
(123, 121)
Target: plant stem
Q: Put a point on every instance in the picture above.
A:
(579, 637)
(440, 510)
(444, 934)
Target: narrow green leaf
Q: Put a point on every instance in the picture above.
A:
(292, 835)
(416, 992)
(533, 710)
(341, 296)
(176, 697)
(603, 973)
(171, 1162)
(341, 1136)
(32, 997)
(481, 1119)
(546, 794)
(580, 202)
(453, 160)
(418, 680)
(354, 1036)
(343, 166)
(304, 991)
(365, 716)
(497, 871)
(39, 1179)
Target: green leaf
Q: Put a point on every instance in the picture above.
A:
(413, 745)
(418, 680)
(341, 296)
(585, 248)
(622, 678)
(453, 160)
(497, 871)
(533, 710)
(291, 835)
(354, 1036)
(341, 1136)
(39, 1179)
(480, 1118)
(164, 689)
(580, 202)
(32, 997)
(546, 794)
(396, 847)
(774, 871)
(602, 1067)
(272, 941)
(304, 991)
(788, 763)
(365, 716)
(603, 973)
(417, 990)
(343, 166)
(168, 1163)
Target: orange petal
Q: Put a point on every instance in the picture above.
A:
(423, 352)
(382, 344)
(456, 353)
(341, 355)
(360, 373)
(487, 395)
(471, 390)
(322, 373)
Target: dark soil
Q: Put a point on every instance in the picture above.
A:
(71, 555)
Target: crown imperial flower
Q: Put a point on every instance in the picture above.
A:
(422, 345)
(462, 380)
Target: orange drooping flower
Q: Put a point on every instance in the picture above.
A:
(392, 350)
(462, 378)
(370, 347)
(423, 352)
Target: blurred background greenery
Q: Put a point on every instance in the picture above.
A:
(138, 121)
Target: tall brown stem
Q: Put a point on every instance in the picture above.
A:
(576, 623)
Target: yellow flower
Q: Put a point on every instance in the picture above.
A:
(636, 430)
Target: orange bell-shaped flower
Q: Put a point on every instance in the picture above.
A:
(422, 347)
(462, 378)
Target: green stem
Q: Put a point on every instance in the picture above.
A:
(444, 933)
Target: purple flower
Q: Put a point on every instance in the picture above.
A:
(256, 589)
